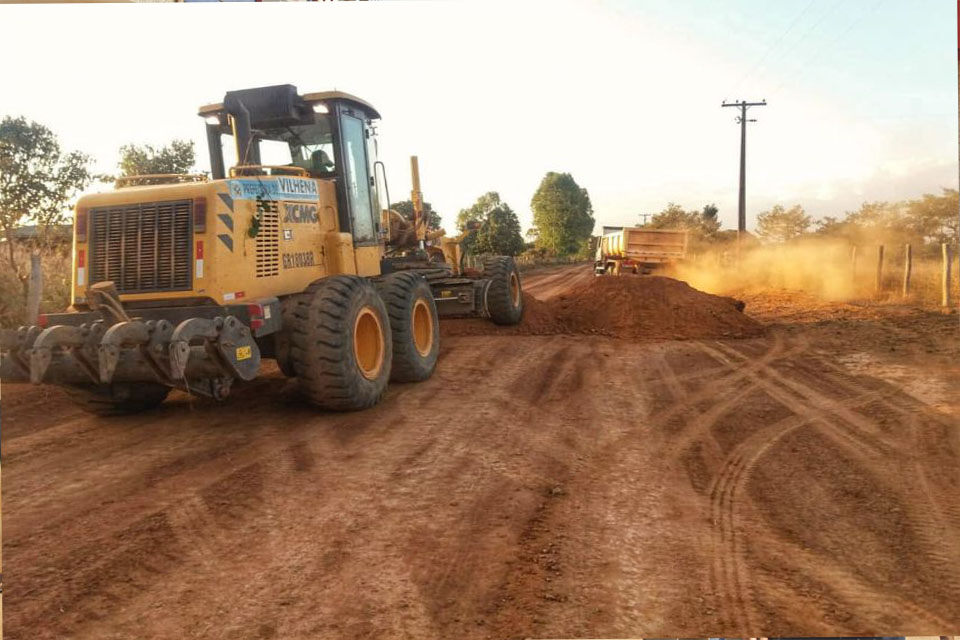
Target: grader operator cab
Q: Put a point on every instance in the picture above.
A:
(292, 253)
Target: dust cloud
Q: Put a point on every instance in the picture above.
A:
(828, 269)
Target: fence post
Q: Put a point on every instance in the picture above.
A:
(907, 268)
(945, 298)
(879, 284)
(34, 288)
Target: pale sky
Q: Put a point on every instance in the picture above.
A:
(862, 94)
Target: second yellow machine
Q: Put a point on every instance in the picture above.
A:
(188, 282)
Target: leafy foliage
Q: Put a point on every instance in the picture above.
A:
(37, 182)
(782, 225)
(934, 218)
(703, 226)
(499, 227)
(405, 208)
(500, 233)
(477, 212)
(562, 214)
(141, 160)
(37, 179)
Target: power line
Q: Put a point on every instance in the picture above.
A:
(807, 33)
(809, 63)
(778, 41)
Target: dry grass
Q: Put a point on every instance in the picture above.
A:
(56, 283)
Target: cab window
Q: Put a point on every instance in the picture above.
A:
(308, 146)
(357, 179)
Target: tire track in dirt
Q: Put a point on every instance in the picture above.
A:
(884, 608)
(717, 394)
(863, 438)
(672, 429)
(810, 408)
(729, 567)
(435, 514)
(933, 522)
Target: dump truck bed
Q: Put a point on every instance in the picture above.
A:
(643, 245)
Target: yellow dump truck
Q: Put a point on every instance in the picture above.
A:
(639, 249)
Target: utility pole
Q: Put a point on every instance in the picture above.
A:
(743, 105)
(644, 217)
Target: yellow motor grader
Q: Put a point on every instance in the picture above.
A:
(189, 282)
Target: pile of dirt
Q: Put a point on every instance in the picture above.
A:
(634, 308)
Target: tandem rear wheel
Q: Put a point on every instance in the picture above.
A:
(414, 325)
(340, 343)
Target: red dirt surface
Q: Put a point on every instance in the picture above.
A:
(634, 308)
(805, 482)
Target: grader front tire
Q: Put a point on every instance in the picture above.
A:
(118, 398)
(341, 347)
(505, 295)
(414, 326)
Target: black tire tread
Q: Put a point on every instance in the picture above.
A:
(321, 351)
(499, 302)
(399, 291)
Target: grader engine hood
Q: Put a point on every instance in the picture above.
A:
(194, 273)
(212, 242)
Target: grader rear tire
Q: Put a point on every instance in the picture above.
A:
(118, 398)
(283, 339)
(341, 347)
(414, 326)
(505, 295)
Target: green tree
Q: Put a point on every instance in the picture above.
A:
(675, 217)
(499, 234)
(37, 181)
(709, 220)
(832, 227)
(872, 223)
(498, 228)
(934, 218)
(179, 157)
(781, 225)
(478, 211)
(703, 226)
(562, 214)
(405, 208)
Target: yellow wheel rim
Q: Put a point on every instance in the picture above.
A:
(422, 326)
(368, 343)
(514, 289)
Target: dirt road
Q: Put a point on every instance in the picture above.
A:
(550, 282)
(536, 486)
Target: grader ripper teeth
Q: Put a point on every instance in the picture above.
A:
(202, 355)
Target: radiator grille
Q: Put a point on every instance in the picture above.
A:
(142, 247)
(268, 239)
